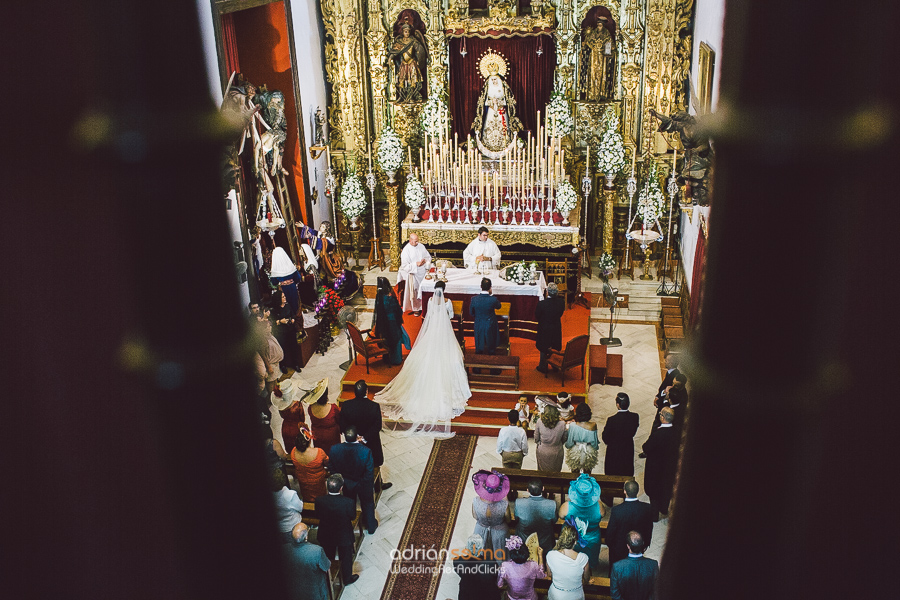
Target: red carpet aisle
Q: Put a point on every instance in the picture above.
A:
(431, 520)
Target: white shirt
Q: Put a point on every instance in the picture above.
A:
(410, 258)
(287, 508)
(512, 438)
(487, 248)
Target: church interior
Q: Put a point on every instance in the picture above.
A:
(375, 157)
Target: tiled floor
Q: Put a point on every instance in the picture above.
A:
(405, 457)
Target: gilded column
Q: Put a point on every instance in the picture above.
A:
(609, 201)
(394, 224)
(565, 48)
(631, 56)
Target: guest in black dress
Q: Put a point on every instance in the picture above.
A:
(283, 329)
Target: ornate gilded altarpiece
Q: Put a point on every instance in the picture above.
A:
(651, 47)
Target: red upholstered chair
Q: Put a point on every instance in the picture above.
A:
(572, 356)
(370, 348)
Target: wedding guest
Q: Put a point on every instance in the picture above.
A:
(512, 442)
(284, 331)
(568, 569)
(524, 412)
(272, 355)
(388, 323)
(477, 572)
(310, 464)
(550, 434)
(489, 509)
(582, 441)
(324, 419)
(307, 567)
(275, 454)
(336, 513)
(536, 514)
(365, 414)
(548, 314)
(518, 573)
(584, 505)
(288, 505)
(291, 412)
(564, 405)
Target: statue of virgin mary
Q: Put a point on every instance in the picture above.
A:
(496, 123)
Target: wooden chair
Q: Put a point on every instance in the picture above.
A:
(572, 356)
(370, 348)
(458, 319)
(558, 272)
(503, 326)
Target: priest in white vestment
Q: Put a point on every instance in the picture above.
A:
(481, 249)
(414, 264)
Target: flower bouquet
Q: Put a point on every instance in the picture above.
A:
(327, 307)
(566, 199)
(352, 199)
(611, 154)
(414, 196)
(651, 201)
(435, 116)
(518, 272)
(390, 152)
(606, 265)
(559, 118)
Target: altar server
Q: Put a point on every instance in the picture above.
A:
(414, 264)
(481, 249)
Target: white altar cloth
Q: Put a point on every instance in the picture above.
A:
(465, 281)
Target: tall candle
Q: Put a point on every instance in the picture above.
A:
(409, 157)
(587, 160)
(633, 160)
(674, 158)
(370, 155)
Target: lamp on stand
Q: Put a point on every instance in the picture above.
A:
(585, 258)
(376, 254)
(672, 189)
(628, 269)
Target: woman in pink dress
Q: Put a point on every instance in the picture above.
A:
(518, 573)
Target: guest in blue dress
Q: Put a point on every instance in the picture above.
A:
(284, 274)
(585, 513)
(389, 321)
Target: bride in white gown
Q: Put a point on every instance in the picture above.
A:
(431, 388)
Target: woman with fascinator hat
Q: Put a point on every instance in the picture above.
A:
(584, 511)
(310, 464)
(489, 508)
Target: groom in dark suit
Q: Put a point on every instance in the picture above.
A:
(548, 314)
(618, 435)
(482, 308)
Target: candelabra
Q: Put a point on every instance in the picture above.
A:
(672, 189)
(376, 254)
(631, 188)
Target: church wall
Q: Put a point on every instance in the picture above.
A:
(709, 23)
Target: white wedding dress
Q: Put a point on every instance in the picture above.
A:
(431, 388)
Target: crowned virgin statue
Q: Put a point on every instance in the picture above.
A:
(496, 124)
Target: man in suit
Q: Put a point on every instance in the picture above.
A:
(536, 514)
(482, 308)
(354, 462)
(365, 415)
(661, 450)
(307, 565)
(679, 381)
(672, 361)
(336, 513)
(548, 315)
(618, 435)
(635, 577)
(631, 515)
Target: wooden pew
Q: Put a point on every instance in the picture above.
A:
(507, 365)
(596, 589)
(558, 483)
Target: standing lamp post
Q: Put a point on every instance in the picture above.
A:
(376, 254)
(585, 258)
(672, 189)
(631, 188)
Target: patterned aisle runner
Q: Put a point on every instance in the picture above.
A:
(416, 575)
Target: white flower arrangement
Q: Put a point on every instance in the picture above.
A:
(518, 272)
(559, 118)
(651, 201)
(611, 154)
(390, 150)
(606, 264)
(435, 116)
(414, 196)
(566, 198)
(353, 199)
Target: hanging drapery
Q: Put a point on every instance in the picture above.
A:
(697, 279)
(229, 44)
(530, 78)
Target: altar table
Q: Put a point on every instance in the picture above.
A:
(462, 284)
